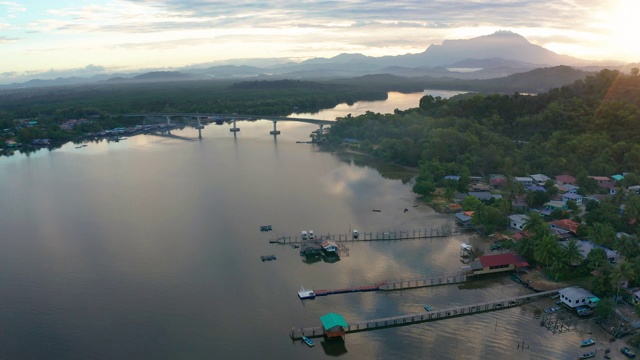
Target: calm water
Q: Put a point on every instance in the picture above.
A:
(150, 249)
(395, 100)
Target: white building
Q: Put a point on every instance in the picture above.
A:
(518, 221)
(577, 296)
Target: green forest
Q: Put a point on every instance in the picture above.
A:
(588, 127)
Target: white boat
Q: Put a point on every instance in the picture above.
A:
(306, 294)
(304, 235)
(311, 235)
(355, 234)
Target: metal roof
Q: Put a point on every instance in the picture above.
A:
(576, 292)
(332, 320)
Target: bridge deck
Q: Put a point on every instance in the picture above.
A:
(410, 319)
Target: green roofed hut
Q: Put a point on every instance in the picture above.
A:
(333, 325)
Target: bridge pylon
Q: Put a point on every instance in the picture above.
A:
(234, 129)
(275, 131)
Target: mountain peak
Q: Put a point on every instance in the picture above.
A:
(501, 44)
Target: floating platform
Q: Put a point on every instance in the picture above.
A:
(306, 293)
(267, 257)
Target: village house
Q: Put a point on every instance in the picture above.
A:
(577, 198)
(497, 263)
(565, 224)
(635, 189)
(566, 179)
(524, 180)
(539, 179)
(568, 188)
(518, 221)
(464, 219)
(575, 296)
(552, 205)
(519, 202)
(484, 196)
(603, 182)
(586, 247)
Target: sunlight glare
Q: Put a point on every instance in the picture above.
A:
(625, 27)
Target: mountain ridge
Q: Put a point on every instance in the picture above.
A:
(500, 54)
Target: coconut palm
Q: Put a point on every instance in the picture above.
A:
(573, 253)
(621, 273)
(547, 250)
(536, 226)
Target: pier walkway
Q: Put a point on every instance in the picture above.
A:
(416, 234)
(410, 319)
(398, 285)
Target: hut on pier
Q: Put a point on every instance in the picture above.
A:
(334, 325)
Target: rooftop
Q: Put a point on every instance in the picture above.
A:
(503, 259)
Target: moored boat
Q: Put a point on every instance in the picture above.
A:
(427, 307)
(587, 342)
(307, 341)
(588, 355)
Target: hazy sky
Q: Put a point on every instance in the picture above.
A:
(117, 35)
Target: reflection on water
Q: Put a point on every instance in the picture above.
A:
(395, 100)
(150, 248)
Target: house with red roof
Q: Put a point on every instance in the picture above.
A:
(565, 224)
(489, 264)
(566, 179)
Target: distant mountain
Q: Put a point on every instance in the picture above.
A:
(501, 44)
(497, 55)
(163, 76)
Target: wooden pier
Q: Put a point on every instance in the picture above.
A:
(416, 234)
(416, 318)
(423, 282)
(398, 285)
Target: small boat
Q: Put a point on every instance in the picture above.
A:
(306, 294)
(588, 355)
(265, 228)
(587, 342)
(307, 341)
(427, 307)
(376, 210)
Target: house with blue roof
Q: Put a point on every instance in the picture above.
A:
(571, 196)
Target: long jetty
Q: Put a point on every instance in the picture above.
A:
(416, 318)
(398, 285)
(416, 234)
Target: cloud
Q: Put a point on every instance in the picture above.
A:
(4, 39)
(13, 7)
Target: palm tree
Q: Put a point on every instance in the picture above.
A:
(602, 234)
(526, 247)
(621, 273)
(573, 253)
(547, 250)
(536, 226)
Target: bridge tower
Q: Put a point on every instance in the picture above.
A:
(199, 127)
(275, 131)
(234, 129)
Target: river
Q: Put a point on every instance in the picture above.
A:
(150, 248)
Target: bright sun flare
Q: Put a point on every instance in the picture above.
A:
(625, 27)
